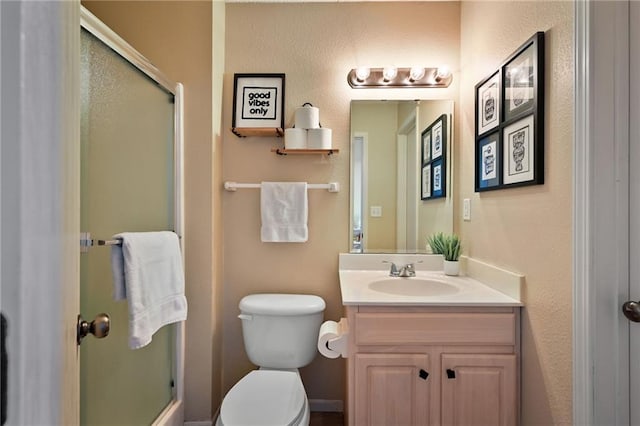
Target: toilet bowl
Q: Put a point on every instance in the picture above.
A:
(280, 332)
(266, 398)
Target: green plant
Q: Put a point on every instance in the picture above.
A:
(452, 247)
(436, 242)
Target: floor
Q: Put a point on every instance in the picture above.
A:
(326, 419)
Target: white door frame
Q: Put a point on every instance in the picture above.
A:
(40, 214)
(601, 214)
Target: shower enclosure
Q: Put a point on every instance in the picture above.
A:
(130, 181)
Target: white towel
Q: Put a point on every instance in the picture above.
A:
(283, 206)
(147, 271)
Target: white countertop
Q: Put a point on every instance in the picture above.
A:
(355, 288)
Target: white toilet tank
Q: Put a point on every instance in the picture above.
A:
(281, 330)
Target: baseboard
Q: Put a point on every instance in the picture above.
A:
(327, 405)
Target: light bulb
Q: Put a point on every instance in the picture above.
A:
(362, 73)
(389, 73)
(442, 73)
(416, 73)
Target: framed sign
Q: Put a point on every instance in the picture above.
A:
(258, 101)
(509, 130)
(434, 154)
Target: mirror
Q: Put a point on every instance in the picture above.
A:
(400, 194)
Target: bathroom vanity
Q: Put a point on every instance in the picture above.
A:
(430, 349)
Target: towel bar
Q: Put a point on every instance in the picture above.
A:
(115, 242)
(86, 242)
(233, 186)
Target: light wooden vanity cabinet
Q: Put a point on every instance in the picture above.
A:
(433, 366)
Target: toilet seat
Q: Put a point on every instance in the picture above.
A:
(265, 397)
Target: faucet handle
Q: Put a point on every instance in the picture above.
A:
(394, 269)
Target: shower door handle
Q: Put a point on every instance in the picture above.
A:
(99, 327)
(631, 310)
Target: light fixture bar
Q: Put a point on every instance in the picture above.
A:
(376, 79)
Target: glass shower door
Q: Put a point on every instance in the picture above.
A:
(127, 184)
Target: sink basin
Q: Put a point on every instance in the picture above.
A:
(413, 287)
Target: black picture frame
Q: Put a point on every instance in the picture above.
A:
(434, 159)
(489, 161)
(518, 141)
(488, 103)
(438, 179)
(519, 133)
(258, 101)
(426, 182)
(426, 147)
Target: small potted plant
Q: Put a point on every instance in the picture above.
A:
(451, 252)
(436, 242)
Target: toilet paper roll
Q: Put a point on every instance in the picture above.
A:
(307, 117)
(295, 138)
(332, 339)
(319, 138)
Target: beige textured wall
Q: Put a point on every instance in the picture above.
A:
(177, 37)
(527, 230)
(315, 44)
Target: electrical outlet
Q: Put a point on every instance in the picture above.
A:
(466, 209)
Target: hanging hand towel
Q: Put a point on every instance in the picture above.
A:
(147, 271)
(283, 206)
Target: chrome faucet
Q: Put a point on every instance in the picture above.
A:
(407, 270)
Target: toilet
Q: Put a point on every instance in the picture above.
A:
(280, 334)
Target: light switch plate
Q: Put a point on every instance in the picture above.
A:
(466, 209)
(376, 211)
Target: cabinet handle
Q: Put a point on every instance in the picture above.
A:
(451, 374)
(423, 374)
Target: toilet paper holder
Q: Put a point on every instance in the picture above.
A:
(333, 339)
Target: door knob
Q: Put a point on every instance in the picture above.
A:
(99, 327)
(631, 310)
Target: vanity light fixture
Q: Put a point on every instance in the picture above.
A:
(368, 78)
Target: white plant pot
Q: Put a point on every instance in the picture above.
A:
(451, 267)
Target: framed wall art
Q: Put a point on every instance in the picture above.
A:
(434, 154)
(488, 161)
(509, 129)
(488, 104)
(426, 182)
(426, 147)
(258, 101)
(438, 180)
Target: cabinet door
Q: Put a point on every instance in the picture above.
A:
(479, 389)
(392, 389)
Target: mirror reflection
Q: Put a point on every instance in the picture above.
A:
(388, 212)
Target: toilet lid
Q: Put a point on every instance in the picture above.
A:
(264, 397)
